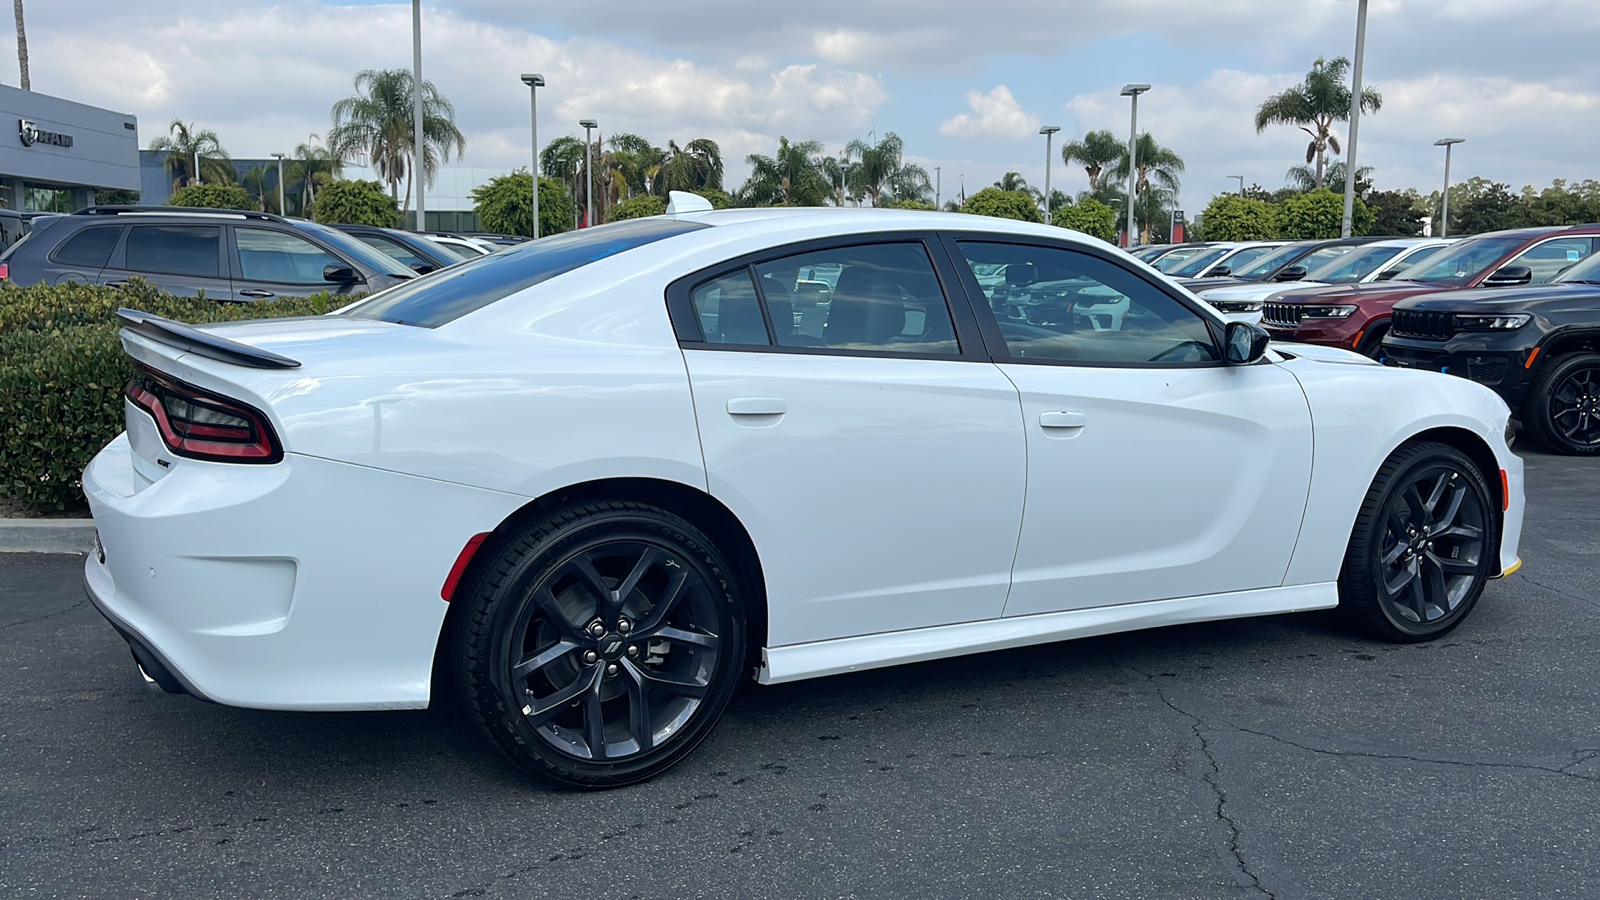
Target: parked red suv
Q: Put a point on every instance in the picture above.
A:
(1356, 317)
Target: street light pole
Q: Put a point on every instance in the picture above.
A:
(197, 165)
(1241, 182)
(282, 210)
(1444, 212)
(534, 82)
(588, 172)
(1048, 131)
(1133, 91)
(1355, 123)
(417, 167)
(938, 174)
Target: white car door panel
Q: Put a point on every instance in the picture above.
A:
(881, 494)
(1149, 484)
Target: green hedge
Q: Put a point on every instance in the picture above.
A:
(62, 374)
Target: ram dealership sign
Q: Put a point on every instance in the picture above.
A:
(31, 134)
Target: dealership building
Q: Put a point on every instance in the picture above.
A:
(59, 153)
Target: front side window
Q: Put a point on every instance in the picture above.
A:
(281, 258)
(1062, 305)
(1551, 258)
(174, 249)
(878, 297)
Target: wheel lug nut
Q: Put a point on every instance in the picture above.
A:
(597, 628)
(624, 626)
(633, 651)
(591, 657)
(611, 669)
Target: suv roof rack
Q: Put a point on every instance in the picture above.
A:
(177, 210)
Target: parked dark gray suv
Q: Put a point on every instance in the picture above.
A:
(226, 254)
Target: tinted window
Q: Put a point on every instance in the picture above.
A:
(729, 311)
(174, 249)
(1241, 259)
(90, 248)
(454, 292)
(1063, 305)
(1551, 258)
(1198, 264)
(1350, 267)
(1460, 263)
(1272, 262)
(281, 258)
(395, 250)
(881, 297)
(351, 248)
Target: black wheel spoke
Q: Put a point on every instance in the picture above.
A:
(1465, 532)
(1406, 576)
(541, 659)
(1417, 597)
(687, 687)
(1453, 566)
(1451, 509)
(1434, 587)
(639, 710)
(544, 708)
(555, 615)
(646, 560)
(683, 636)
(594, 721)
(664, 604)
(605, 598)
(1393, 554)
(1431, 505)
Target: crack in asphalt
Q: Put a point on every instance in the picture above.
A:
(1560, 590)
(1585, 755)
(1212, 780)
(42, 616)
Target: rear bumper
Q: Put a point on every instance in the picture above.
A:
(307, 584)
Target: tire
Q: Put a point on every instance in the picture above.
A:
(1562, 411)
(601, 644)
(1372, 342)
(1423, 546)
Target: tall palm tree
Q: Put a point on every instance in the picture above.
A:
(881, 166)
(1314, 106)
(840, 173)
(1156, 175)
(562, 159)
(376, 125)
(184, 144)
(22, 45)
(314, 166)
(695, 166)
(789, 178)
(635, 162)
(1098, 151)
(1013, 181)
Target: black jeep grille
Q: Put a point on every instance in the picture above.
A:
(1282, 313)
(1423, 323)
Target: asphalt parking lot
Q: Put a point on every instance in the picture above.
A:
(1280, 757)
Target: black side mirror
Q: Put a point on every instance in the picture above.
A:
(1220, 270)
(422, 268)
(1506, 276)
(1292, 273)
(340, 274)
(1387, 274)
(1244, 343)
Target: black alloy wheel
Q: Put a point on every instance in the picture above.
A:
(602, 645)
(1423, 546)
(1563, 409)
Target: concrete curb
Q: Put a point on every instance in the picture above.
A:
(46, 535)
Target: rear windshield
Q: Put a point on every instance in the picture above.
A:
(451, 293)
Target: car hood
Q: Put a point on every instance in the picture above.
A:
(1319, 353)
(1200, 284)
(1531, 298)
(1377, 293)
(1256, 290)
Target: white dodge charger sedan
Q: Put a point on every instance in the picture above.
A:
(596, 480)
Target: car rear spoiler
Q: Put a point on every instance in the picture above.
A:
(193, 340)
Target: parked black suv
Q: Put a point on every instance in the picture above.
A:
(1537, 346)
(414, 251)
(226, 254)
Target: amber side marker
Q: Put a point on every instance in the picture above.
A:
(1531, 357)
(1357, 341)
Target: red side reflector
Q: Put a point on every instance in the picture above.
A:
(1505, 492)
(464, 558)
(5, 271)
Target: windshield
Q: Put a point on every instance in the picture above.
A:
(1353, 266)
(1270, 263)
(1199, 263)
(1244, 256)
(1461, 263)
(451, 293)
(372, 259)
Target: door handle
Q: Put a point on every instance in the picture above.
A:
(757, 406)
(256, 293)
(1062, 420)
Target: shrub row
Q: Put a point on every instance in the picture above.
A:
(62, 374)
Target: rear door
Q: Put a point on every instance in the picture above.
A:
(876, 456)
(180, 259)
(81, 256)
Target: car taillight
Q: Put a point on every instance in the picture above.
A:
(202, 425)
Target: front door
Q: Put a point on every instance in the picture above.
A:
(1155, 471)
(874, 455)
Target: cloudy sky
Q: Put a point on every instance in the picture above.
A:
(966, 84)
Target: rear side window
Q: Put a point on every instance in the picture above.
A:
(174, 249)
(89, 248)
(452, 293)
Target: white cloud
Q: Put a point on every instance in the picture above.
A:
(995, 116)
